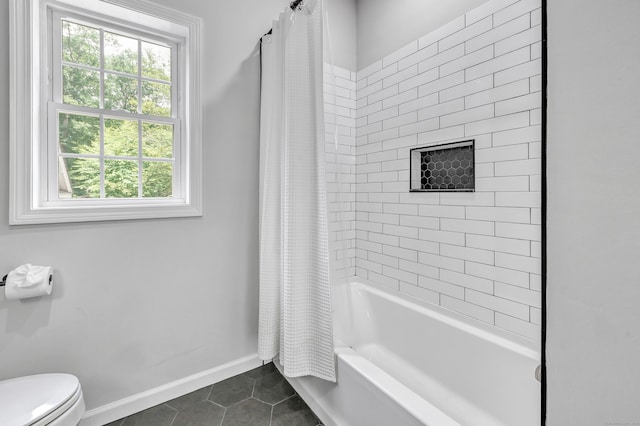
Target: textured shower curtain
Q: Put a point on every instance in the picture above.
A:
(295, 300)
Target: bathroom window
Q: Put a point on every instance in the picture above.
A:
(106, 114)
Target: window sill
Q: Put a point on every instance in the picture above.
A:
(114, 211)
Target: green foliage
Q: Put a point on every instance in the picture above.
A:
(157, 179)
(157, 140)
(80, 133)
(82, 177)
(80, 44)
(156, 99)
(121, 176)
(121, 137)
(81, 86)
(120, 93)
(156, 61)
(120, 53)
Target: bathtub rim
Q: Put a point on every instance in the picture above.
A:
(415, 406)
(306, 395)
(509, 340)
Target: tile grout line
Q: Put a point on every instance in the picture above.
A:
(271, 416)
(175, 416)
(224, 414)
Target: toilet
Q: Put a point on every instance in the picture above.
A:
(42, 399)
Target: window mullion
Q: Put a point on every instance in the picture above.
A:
(50, 174)
(177, 108)
(56, 71)
(139, 77)
(102, 178)
(140, 121)
(101, 100)
(101, 104)
(114, 113)
(178, 165)
(176, 96)
(50, 178)
(140, 159)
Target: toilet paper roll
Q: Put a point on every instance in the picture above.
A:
(28, 281)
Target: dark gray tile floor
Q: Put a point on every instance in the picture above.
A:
(259, 397)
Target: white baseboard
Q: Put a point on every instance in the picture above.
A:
(147, 399)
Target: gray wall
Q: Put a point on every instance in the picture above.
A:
(385, 25)
(137, 304)
(593, 213)
(342, 30)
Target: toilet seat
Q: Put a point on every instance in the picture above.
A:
(42, 399)
(68, 413)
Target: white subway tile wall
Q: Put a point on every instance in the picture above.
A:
(478, 77)
(340, 149)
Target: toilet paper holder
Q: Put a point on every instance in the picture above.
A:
(4, 280)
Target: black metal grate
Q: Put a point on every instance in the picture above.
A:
(443, 168)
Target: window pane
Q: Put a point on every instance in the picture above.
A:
(156, 99)
(121, 179)
(120, 93)
(121, 137)
(120, 53)
(157, 178)
(79, 178)
(156, 61)
(78, 134)
(157, 140)
(81, 87)
(80, 44)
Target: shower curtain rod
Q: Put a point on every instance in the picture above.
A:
(293, 5)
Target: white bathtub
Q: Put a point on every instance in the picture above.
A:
(404, 362)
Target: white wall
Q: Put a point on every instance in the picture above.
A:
(138, 304)
(593, 344)
(403, 22)
(476, 77)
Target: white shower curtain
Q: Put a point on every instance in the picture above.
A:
(295, 299)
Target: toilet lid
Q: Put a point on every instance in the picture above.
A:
(25, 400)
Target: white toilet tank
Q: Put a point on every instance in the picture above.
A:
(42, 399)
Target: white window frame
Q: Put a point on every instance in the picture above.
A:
(33, 135)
